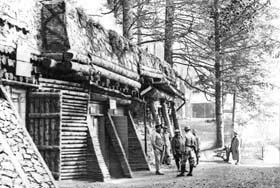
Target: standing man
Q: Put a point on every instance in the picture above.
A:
(167, 146)
(188, 153)
(158, 147)
(177, 145)
(234, 148)
(197, 146)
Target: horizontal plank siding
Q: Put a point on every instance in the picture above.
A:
(137, 157)
(74, 130)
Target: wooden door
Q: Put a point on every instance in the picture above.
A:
(108, 151)
(44, 125)
(121, 126)
(18, 97)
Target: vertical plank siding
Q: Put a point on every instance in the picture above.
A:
(45, 136)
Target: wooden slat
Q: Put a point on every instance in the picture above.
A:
(72, 163)
(68, 138)
(59, 82)
(73, 155)
(18, 83)
(77, 141)
(44, 115)
(72, 118)
(73, 125)
(78, 109)
(65, 134)
(74, 93)
(76, 159)
(73, 129)
(61, 87)
(74, 110)
(74, 114)
(66, 151)
(74, 171)
(82, 166)
(68, 146)
(70, 101)
(72, 97)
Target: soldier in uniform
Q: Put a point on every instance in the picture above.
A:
(177, 145)
(158, 146)
(188, 153)
(167, 146)
(197, 146)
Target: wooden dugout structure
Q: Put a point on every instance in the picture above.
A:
(79, 95)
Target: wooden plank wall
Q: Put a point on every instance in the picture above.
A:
(97, 169)
(43, 125)
(74, 127)
(121, 127)
(137, 157)
(116, 142)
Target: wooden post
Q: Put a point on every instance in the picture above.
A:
(174, 116)
(145, 126)
(154, 112)
(166, 116)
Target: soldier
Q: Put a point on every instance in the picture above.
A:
(188, 153)
(158, 147)
(197, 146)
(167, 146)
(234, 149)
(177, 145)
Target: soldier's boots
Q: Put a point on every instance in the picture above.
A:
(191, 169)
(183, 169)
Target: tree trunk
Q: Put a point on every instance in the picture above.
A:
(154, 112)
(127, 19)
(169, 38)
(174, 116)
(166, 117)
(218, 83)
(233, 108)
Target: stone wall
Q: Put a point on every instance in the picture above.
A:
(24, 155)
(9, 177)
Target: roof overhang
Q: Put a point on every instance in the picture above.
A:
(169, 89)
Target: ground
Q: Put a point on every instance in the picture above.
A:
(213, 173)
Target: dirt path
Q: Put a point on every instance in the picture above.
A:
(206, 175)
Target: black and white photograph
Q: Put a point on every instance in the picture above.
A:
(139, 93)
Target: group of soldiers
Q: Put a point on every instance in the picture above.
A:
(184, 148)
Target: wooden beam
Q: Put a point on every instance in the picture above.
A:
(117, 77)
(66, 56)
(17, 83)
